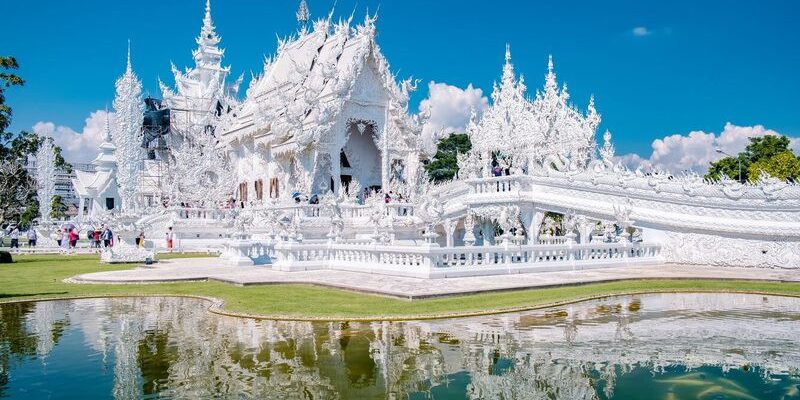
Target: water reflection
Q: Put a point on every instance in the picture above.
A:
(653, 346)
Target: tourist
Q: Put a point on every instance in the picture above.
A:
(96, 238)
(57, 237)
(497, 171)
(140, 239)
(108, 236)
(73, 238)
(32, 237)
(63, 240)
(169, 238)
(14, 235)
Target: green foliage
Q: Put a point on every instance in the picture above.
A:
(769, 153)
(764, 147)
(728, 166)
(7, 79)
(31, 212)
(444, 165)
(784, 166)
(57, 208)
(17, 188)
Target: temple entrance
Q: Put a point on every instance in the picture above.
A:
(360, 158)
(346, 179)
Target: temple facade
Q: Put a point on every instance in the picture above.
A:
(325, 114)
(319, 166)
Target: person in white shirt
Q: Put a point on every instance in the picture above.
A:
(169, 238)
(32, 236)
(14, 235)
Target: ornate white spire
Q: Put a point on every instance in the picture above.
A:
(106, 159)
(550, 85)
(107, 137)
(127, 135)
(533, 131)
(128, 68)
(607, 152)
(303, 14)
(208, 55)
(45, 176)
(201, 93)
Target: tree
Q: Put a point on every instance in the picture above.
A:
(445, 164)
(17, 188)
(769, 153)
(784, 166)
(7, 79)
(57, 208)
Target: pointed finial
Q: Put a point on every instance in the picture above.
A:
(550, 63)
(108, 126)
(508, 53)
(128, 67)
(303, 14)
(208, 24)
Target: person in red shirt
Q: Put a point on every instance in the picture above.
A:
(73, 238)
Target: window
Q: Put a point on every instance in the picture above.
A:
(243, 191)
(109, 203)
(343, 161)
(273, 188)
(259, 189)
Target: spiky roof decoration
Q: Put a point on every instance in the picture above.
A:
(305, 85)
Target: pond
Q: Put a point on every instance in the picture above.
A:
(658, 346)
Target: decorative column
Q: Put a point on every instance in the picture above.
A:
(487, 230)
(535, 223)
(569, 223)
(585, 228)
(450, 228)
(385, 150)
(469, 227)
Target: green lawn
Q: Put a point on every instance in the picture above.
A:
(36, 277)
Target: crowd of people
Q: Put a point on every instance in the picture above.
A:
(66, 238)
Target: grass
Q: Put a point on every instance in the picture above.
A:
(41, 276)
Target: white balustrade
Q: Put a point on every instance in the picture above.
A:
(544, 239)
(190, 213)
(497, 184)
(434, 261)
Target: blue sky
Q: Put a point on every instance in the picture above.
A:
(693, 66)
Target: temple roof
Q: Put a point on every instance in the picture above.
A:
(305, 85)
(92, 183)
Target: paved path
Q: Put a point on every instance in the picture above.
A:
(196, 269)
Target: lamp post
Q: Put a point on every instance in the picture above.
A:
(719, 150)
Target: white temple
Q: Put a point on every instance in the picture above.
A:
(296, 175)
(98, 190)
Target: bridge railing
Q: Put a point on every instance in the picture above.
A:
(432, 260)
(495, 184)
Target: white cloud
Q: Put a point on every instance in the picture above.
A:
(449, 107)
(641, 31)
(77, 146)
(695, 150)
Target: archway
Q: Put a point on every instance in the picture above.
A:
(360, 158)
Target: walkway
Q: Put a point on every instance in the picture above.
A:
(200, 269)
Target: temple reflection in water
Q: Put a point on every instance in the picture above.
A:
(175, 348)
